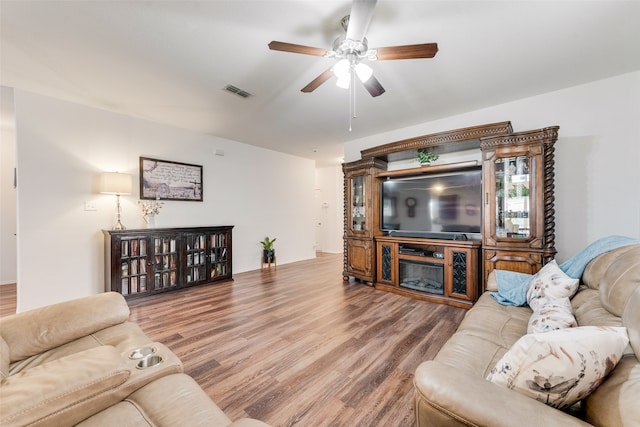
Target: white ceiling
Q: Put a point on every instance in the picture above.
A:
(167, 61)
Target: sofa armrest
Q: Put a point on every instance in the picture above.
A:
(64, 391)
(36, 331)
(445, 396)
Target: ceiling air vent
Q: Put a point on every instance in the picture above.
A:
(237, 91)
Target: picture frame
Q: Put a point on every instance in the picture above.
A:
(168, 180)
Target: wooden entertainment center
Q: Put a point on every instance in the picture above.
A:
(516, 230)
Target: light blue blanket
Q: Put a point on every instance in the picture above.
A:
(513, 286)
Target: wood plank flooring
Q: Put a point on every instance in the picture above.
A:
(7, 299)
(300, 347)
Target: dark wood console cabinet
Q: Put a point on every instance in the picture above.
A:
(444, 271)
(145, 262)
(518, 226)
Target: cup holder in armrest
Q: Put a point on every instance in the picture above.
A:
(149, 361)
(142, 352)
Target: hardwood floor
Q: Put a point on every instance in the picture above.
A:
(298, 346)
(7, 299)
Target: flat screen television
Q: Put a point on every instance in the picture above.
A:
(444, 205)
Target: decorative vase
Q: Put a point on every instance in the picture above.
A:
(150, 220)
(268, 255)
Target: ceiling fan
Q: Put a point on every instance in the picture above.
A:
(351, 48)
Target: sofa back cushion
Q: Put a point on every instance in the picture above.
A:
(631, 319)
(595, 270)
(620, 280)
(4, 359)
(36, 331)
(615, 402)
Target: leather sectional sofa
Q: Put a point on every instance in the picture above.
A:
(453, 390)
(82, 362)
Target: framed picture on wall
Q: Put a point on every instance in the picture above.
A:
(166, 180)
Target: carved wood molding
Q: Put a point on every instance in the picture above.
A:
(345, 260)
(363, 164)
(442, 138)
(549, 198)
(548, 133)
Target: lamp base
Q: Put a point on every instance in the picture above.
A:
(118, 225)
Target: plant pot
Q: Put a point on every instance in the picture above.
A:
(268, 255)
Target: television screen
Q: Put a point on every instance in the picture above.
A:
(439, 205)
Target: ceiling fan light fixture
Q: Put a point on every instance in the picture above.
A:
(364, 72)
(343, 82)
(342, 69)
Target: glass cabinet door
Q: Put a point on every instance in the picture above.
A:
(513, 197)
(166, 262)
(196, 258)
(218, 243)
(358, 212)
(133, 266)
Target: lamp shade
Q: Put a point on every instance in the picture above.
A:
(115, 183)
(364, 72)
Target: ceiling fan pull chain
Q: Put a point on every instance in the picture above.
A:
(352, 99)
(353, 90)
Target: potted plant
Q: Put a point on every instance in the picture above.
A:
(268, 252)
(425, 156)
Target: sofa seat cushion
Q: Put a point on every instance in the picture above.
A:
(173, 400)
(501, 324)
(452, 398)
(487, 331)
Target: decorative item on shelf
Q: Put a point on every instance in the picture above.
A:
(119, 184)
(426, 156)
(268, 251)
(411, 203)
(519, 191)
(150, 210)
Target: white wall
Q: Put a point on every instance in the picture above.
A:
(597, 155)
(61, 149)
(8, 271)
(329, 209)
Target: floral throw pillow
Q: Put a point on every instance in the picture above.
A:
(552, 315)
(550, 283)
(561, 367)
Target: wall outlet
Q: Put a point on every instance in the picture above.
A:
(90, 206)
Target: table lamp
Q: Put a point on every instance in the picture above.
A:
(118, 184)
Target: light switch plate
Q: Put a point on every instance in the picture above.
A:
(90, 206)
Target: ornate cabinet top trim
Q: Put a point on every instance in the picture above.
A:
(546, 134)
(364, 163)
(166, 230)
(438, 139)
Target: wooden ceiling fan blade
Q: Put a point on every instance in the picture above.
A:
(359, 18)
(374, 87)
(297, 48)
(317, 81)
(410, 51)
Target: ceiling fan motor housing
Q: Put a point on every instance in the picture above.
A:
(343, 47)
